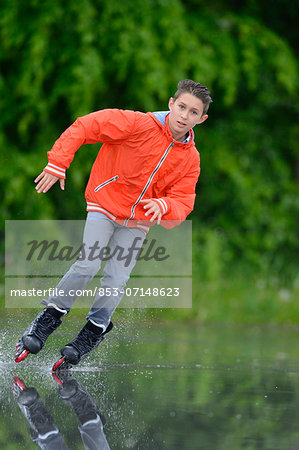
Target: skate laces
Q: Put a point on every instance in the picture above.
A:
(43, 325)
(83, 404)
(40, 417)
(86, 341)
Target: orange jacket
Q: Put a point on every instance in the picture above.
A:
(139, 159)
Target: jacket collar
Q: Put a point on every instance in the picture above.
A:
(162, 119)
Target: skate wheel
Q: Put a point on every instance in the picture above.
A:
(20, 357)
(61, 364)
(56, 378)
(18, 385)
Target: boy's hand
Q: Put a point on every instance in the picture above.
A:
(153, 208)
(45, 182)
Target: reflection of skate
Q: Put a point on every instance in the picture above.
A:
(85, 408)
(73, 392)
(43, 429)
(36, 334)
(87, 340)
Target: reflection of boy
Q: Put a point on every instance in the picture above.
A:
(146, 170)
(43, 429)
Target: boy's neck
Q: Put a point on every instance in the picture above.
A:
(183, 138)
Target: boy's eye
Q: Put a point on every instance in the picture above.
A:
(181, 106)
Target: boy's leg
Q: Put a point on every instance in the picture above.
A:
(97, 232)
(116, 274)
(125, 245)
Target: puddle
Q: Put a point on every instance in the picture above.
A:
(154, 386)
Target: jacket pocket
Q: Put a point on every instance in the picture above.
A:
(105, 183)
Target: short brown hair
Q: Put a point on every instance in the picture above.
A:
(197, 89)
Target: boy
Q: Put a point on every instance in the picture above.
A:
(148, 166)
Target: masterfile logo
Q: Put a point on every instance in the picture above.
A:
(39, 253)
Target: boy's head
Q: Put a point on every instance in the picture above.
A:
(188, 108)
(197, 89)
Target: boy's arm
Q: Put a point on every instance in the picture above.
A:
(178, 202)
(108, 125)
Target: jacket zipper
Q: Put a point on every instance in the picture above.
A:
(148, 183)
(106, 182)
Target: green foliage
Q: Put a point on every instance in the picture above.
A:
(63, 59)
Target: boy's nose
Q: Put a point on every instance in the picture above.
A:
(184, 115)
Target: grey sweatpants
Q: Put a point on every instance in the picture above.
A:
(98, 231)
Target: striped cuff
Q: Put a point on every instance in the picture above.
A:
(163, 205)
(55, 170)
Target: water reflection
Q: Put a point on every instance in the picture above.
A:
(171, 387)
(43, 429)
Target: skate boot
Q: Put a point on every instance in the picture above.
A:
(87, 340)
(81, 402)
(36, 334)
(40, 420)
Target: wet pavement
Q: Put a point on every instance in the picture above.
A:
(153, 386)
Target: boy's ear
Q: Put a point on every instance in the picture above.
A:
(202, 119)
(170, 103)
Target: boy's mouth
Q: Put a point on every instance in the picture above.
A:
(181, 124)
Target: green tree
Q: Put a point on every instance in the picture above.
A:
(61, 59)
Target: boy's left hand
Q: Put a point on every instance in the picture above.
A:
(153, 208)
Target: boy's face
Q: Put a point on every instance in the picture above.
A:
(185, 113)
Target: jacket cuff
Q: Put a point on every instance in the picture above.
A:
(55, 170)
(163, 205)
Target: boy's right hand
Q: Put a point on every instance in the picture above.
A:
(45, 181)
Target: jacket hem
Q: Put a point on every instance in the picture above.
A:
(98, 208)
